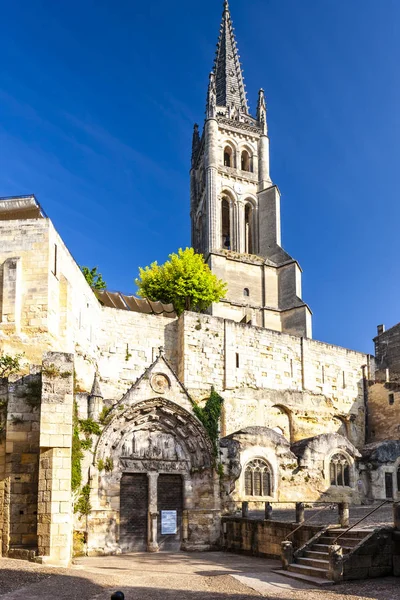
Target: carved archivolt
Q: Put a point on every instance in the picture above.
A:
(155, 430)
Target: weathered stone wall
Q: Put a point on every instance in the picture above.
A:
(45, 301)
(262, 538)
(383, 411)
(54, 498)
(387, 353)
(319, 385)
(22, 454)
(374, 557)
(128, 343)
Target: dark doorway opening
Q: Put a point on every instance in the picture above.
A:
(170, 498)
(133, 512)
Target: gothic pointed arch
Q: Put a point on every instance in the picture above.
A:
(152, 434)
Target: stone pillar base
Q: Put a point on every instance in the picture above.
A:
(53, 561)
(153, 547)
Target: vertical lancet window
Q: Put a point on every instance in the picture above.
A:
(245, 161)
(228, 157)
(225, 225)
(258, 478)
(248, 225)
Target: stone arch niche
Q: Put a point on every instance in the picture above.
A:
(144, 445)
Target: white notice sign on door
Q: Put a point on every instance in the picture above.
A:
(168, 522)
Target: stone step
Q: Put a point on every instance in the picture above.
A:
(345, 541)
(320, 581)
(310, 571)
(313, 562)
(353, 533)
(315, 554)
(325, 547)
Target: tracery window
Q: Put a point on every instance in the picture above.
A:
(339, 471)
(258, 478)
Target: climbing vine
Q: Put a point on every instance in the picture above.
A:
(82, 505)
(76, 453)
(209, 415)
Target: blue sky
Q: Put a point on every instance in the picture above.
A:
(97, 105)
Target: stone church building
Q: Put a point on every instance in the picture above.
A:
(302, 420)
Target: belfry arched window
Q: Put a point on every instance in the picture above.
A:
(258, 478)
(248, 225)
(228, 157)
(245, 161)
(339, 470)
(225, 225)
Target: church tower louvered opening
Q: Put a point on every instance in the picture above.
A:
(235, 206)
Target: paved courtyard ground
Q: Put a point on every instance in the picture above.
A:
(163, 576)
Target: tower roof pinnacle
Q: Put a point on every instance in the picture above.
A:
(230, 89)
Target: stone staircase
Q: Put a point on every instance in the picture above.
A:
(311, 562)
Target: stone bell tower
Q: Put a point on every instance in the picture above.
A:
(235, 207)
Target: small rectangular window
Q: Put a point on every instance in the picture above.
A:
(55, 260)
(391, 398)
(237, 360)
(291, 368)
(344, 379)
(389, 485)
(323, 374)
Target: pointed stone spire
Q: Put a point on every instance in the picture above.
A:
(230, 89)
(262, 111)
(96, 391)
(95, 400)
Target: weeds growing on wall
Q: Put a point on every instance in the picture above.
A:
(10, 364)
(209, 415)
(105, 416)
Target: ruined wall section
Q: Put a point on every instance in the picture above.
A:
(383, 411)
(21, 454)
(23, 285)
(319, 386)
(45, 302)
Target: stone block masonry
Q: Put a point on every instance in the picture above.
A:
(54, 496)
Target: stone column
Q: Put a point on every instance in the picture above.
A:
(55, 518)
(299, 512)
(335, 563)
(344, 514)
(152, 543)
(286, 554)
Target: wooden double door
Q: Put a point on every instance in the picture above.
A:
(134, 511)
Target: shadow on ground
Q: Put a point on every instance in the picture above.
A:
(164, 576)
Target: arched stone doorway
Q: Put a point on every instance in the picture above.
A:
(161, 478)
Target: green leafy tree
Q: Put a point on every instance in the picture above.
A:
(185, 280)
(94, 278)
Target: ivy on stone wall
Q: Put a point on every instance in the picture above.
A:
(209, 415)
(76, 453)
(82, 505)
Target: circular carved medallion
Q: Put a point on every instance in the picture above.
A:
(160, 383)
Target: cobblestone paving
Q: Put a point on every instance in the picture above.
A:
(194, 576)
(327, 515)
